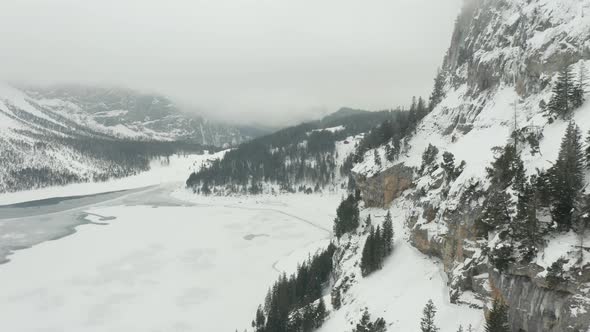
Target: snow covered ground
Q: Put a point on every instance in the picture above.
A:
(164, 259)
(399, 291)
(154, 264)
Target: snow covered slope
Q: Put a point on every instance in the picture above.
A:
(498, 76)
(129, 114)
(400, 290)
(64, 135)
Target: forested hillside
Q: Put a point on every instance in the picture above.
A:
(309, 156)
(129, 114)
(42, 145)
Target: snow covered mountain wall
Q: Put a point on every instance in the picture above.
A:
(126, 113)
(60, 136)
(498, 74)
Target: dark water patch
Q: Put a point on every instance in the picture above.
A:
(55, 200)
(83, 216)
(43, 229)
(250, 237)
(59, 204)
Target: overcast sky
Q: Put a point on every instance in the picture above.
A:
(266, 61)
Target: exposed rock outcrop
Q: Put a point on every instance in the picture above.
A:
(533, 307)
(380, 190)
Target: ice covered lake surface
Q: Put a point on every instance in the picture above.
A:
(151, 259)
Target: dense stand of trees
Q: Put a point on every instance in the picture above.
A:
(390, 133)
(438, 92)
(109, 157)
(378, 246)
(306, 154)
(347, 216)
(497, 319)
(568, 92)
(290, 304)
(367, 325)
(303, 154)
(559, 190)
(28, 178)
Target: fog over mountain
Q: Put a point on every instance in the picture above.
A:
(271, 62)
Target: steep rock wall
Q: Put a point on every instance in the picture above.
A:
(499, 70)
(380, 190)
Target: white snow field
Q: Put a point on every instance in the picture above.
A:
(161, 258)
(399, 291)
(162, 266)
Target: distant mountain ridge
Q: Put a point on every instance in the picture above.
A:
(59, 135)
(125, 113)
(343, 112)
(309, 155)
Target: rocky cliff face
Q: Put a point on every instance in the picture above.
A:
(534, 307)
(380, 190)
(499, 68)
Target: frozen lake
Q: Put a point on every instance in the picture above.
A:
(151, 259)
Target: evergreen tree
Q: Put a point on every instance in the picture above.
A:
(566, 177)
(347, 216)
(379, 249)
(543, 187)
(388, 233)
(497, 320)
(379, 325)
(291, 304)
(501, 256)
(497, 211)
(526, 226)
(506, 169)
(561, 101)
(578, 91)
(460, 328)
(260, 320)
(519, 179)
(390, 153)
(556, 273)
(368, 255)
(368, 223)
(320, 313)
(205, 190)
(587, 150)
(427, 322)
(582, 225)
(365, 323)
(376, 249)
(377, 157)
(421, 109)
(335, 298)
(448, 164)
(438, 91)
(428, 157)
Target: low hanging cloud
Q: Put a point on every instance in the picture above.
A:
(261, 61)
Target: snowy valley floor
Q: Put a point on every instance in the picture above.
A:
(163, 259)
(156, 265)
